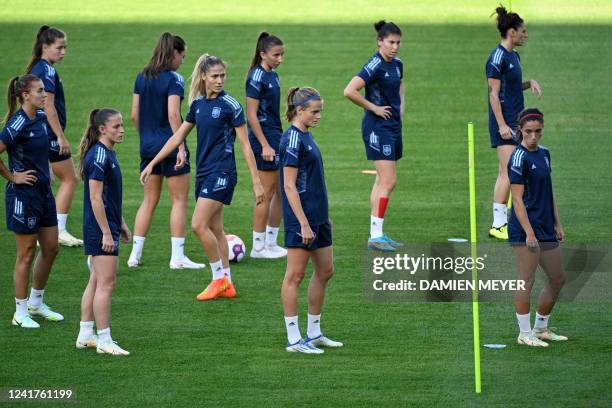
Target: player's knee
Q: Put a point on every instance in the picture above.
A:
(295, 277)
(199, 227)
(50, 250)
(389, 182)
(557, 281)
(326, 273)
(25, 257)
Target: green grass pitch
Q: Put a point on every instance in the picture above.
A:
(187, 353)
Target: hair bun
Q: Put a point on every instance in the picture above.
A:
(501, 11)
(379, 24)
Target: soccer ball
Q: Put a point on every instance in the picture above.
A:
(236, 248)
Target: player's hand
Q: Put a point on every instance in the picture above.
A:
(144, 175)
(64, 146)
(532, 242)
(535, 88)
(27, 177)
(560, 233)
(125, 235)
(181, 159)
(258, 192)
(108, 243)
(268, 153)
(307, 234)
(505, 132)
(382, 111)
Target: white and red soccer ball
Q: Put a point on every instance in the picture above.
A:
(236, 248)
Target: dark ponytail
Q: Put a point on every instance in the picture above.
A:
(506, 20)
(297, 97)
(528, 115)
(97, 118)
(265, 41)
(46, 35)
(384, 29)
(163, 54)
(16, 87)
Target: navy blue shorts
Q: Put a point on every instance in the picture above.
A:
(322, 239)
(496, 139)
(166, 167)
(545, 236)
(264, 165)
(29, 208)
(382, 144)
(92, 243)
(54, 154)
(217, 186)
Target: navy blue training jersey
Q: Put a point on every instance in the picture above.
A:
(383, 80)
(506, 66)
(265, 87)
(298, 149)
(27, 143)
(53, 84)
(153, 124)
(532, 169)
(215, 120)
(101, 164)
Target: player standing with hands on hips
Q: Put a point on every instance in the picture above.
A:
(49, 49)
(506, 86)
(308, 229)
(381, 126)
(103, 226)
(534, 228)
(219, 118)
(29, 202)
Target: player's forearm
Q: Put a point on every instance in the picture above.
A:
(526, 85)
(97, 206)
(249, 158)
(496, 108)
(355, 97)
(294, 202)
(521, 214)
(53, 120)
(256, 128)
(4, 172)
(556, 212)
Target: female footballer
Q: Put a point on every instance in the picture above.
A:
(48, 50)
(506, 86)
(308, 229)
(219, 118)
(381, 127)
(534, 228)
(29, 202)
(265, 130)
(103, 226)
(156, 113)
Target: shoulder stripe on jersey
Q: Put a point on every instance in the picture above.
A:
(498, 56)
(373, 64)
(257, 75)
(18, 123)
(231, 101)
(100, 155)
(517, 161)
(293, 139)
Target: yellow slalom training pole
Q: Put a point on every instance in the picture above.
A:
(475, 312)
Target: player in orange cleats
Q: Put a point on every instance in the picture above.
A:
(215, 289)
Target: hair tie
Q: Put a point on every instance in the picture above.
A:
(310, 98)
(532, 114)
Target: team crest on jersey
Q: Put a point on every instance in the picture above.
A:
(387, 150)
(31, 222)
(216, 112)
